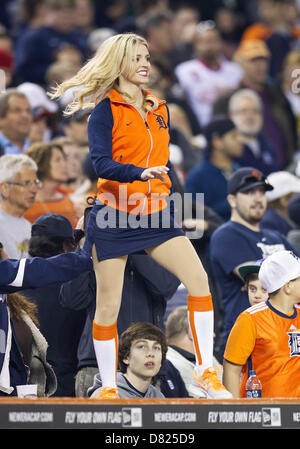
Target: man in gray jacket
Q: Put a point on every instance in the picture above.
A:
(142, 350)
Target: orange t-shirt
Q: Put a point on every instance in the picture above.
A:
(272, 339)
(63, 207)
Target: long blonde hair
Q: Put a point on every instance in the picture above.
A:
(100, 74)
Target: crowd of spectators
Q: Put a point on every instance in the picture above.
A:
(230, 72)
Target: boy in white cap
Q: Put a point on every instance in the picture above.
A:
(266, 336)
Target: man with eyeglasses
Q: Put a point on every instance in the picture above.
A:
(18, 188)
(241, 240)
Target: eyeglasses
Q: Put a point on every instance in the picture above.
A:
(28, 184)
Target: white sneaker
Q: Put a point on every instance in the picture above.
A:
(208, 385)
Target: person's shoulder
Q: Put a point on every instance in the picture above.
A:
(224, 229)
(273, 233)
(256, 308)
(101, 110)
(228, 233)
(103, 104)
(154, 392)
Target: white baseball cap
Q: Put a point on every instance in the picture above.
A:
(37, 96)
(278, 269)
(284, 183)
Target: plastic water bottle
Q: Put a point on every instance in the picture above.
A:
(253, 385)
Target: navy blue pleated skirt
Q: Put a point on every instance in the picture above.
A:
(115, 233)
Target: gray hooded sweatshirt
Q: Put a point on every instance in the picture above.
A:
(126, 390)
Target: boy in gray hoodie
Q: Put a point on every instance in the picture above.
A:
(142, 350)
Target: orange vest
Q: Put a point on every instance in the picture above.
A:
(143, 143)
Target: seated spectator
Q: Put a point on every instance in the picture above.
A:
(249, 273)
(52, 171)
(52, 234)
(15, 122)
(276, 216)
(293, 209)
(279, 121)
(209, 75)
(36, 47)
(246, 111)
(142, 351)
(265, 326)
(241, 240)
(19, 186)
(210, 176)
(28, 364)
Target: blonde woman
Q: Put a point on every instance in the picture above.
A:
(128, 134)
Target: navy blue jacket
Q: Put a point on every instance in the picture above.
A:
(36, 272)
(15, 275)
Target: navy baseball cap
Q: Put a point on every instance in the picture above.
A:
(249, 268)
(245, 179)
(52, 225)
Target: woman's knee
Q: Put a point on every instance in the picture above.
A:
(107, 312)
(196, 282)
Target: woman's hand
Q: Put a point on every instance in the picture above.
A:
(154, 173)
